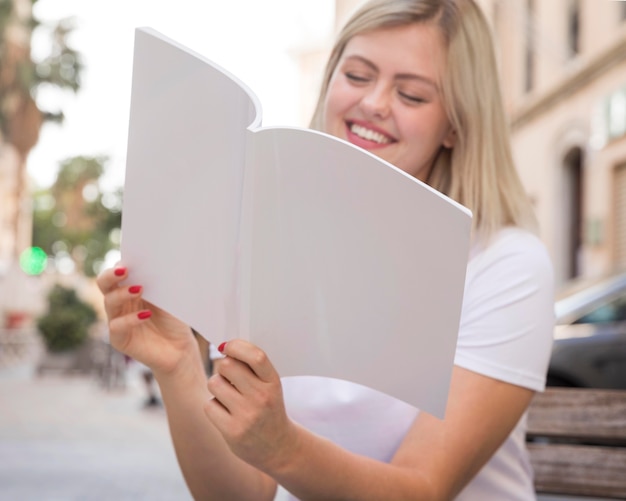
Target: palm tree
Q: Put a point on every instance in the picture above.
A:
(21, 117)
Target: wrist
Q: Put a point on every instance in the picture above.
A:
(186, 367)
(290, 450)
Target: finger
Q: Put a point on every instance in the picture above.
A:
(123, 300)
(238, 374)
(253, 356)
(217, 414)
(110, 278)
(122, 326)
(225, 393)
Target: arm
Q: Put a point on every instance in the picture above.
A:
(437, 458)
(168, 347)
(210, 469)
(435, 461)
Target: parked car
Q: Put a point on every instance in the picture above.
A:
(590, 335)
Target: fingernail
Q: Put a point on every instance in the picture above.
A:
(221, 347)
(134, 289)
(119, 271)
(142, 315)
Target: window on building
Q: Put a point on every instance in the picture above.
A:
(608, 121)
(619, 211)
(573, 28)
(573, 211)
(529, 53)
(617, 113)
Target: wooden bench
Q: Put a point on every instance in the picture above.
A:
(577, 442)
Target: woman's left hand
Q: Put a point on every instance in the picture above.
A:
(248, 407)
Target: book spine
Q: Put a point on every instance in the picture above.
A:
(243, 269)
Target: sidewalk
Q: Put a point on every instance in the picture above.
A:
(66, 439)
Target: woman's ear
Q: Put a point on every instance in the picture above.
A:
(450, 140)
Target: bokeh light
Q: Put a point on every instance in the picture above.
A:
(33, 261)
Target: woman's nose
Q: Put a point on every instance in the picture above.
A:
(377, 102)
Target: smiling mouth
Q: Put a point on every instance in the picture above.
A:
(369, 134)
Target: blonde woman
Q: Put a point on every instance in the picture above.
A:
(414, 82)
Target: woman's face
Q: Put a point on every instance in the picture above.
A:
(384, 97)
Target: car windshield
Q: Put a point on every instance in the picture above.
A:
(614, 311)
(593, 302)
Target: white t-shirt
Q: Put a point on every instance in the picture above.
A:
(505, 333)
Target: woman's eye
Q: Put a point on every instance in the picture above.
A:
(356, 78)
(411, 98)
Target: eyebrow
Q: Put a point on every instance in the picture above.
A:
(401, 76)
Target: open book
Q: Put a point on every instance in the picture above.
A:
(333, 261)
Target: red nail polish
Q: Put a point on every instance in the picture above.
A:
(142, 315)
(119, 272)
(134, 289)
(221, 347)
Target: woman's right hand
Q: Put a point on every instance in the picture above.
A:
(141, 330)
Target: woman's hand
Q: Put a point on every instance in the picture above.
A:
(139, 329)
(248, 407)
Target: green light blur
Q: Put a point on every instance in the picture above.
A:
(33, 261)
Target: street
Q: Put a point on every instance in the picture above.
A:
(65, 438)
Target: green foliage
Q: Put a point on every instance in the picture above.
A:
(78, 171)
(67, 223)
(6, 9)
(66, 324)
(61, 67)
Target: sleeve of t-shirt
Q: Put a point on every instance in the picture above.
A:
(507, 318)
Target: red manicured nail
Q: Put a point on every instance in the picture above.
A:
(119, 272)
(134, 289)
(221, 347)
(142, 315)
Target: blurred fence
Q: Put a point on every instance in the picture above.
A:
(20, 346)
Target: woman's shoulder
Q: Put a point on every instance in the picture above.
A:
(511, 250)
(508, 310)
(509, 242)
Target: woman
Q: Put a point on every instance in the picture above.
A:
(414, 82)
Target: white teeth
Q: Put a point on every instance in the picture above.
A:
(369, 134)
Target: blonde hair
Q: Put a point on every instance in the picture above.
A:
(479, 171)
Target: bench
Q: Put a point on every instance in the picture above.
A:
(577, 442)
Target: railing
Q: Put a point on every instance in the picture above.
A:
(24, 347)
(19, 346)
(109, 366)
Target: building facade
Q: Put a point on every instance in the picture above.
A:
(563, 70)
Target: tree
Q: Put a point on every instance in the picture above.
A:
(66, 324)
(21, 117)
(74, 219)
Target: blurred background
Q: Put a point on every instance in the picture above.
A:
(65, 79)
